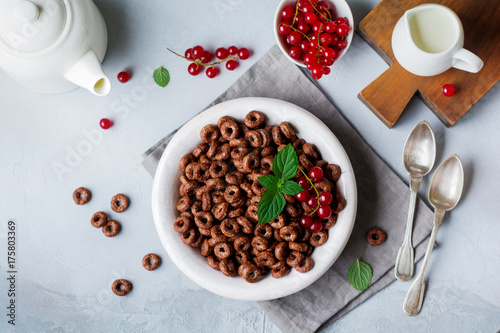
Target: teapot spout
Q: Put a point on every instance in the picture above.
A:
(87, 73)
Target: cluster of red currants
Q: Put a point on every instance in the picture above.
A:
(313, 34)
(319, 201)
(201, 58)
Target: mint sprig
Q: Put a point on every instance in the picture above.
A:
(360, 275)
(272, 202)
(161, 76)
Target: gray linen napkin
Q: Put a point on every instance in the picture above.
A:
(383, 201)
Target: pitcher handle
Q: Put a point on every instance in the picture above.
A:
(467, 61)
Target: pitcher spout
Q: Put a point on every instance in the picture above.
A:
(87, 73)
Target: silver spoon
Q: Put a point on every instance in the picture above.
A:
(418, 158)
(444, 193)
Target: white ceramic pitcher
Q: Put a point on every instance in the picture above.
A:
(429, 39)
(53, 46)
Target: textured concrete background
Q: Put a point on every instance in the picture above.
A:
(66, 267)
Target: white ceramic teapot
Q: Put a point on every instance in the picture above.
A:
(53, 46)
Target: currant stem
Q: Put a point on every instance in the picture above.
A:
(296, 12)
(315, 189)
(295, 29)
(202, 63)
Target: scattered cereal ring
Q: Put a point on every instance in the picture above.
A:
(375, 236)
(119, 203)
(81, 196)
(121, 287)
(111, 228)
(99, 219)
(151, 261)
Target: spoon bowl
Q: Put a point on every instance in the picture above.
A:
(419, 154)
(447, 184)
(420, 150)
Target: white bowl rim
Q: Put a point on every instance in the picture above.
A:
(188, 259)
(346, 12)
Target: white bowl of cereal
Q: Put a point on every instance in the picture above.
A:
(189, 259)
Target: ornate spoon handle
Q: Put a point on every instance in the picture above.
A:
(415, 296)
(403, 270)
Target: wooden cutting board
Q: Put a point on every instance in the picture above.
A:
(389, 94)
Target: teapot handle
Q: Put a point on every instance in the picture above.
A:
(467, 61)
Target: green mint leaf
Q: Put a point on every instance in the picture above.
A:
(270, 205)
(161, 77)
(285, 163)
(360, 275)
(290, 187)
(269, 182)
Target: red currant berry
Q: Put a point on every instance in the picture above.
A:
(318, 27)
(304, 45)
(212, 72)
(342, 29)
(221, 53)
(311, 18)
(309, 66)
(315, 174)
(313, 44)
(300, 17)
(287, 12)
(325, 198)
(303, 27)
(341, 20)
(335, 39)
(307, 8)
(105, 123)
(189, 54)
(123, 77)
(284, 28)
(243, 53)
(324, 212)
(330, 27)
(302, 3)
(329, 53)
(312, 202)
(206, 57)
(295, 52)
(194, 69)
(306, 221)
(302, 196)
(342, 44)
(233, 50)
(325, 38)
(197, 52)
(294, 38)
(303, 182)
(231, 65)
(316, 226)
(317, 71)
(323, 5)
(448, 90)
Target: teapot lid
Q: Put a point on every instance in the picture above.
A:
(31, 25)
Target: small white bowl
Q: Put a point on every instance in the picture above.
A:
(166, 194)
(340, 9)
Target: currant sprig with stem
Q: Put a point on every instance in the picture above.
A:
(295, 29)
(315, 190)
(202, 63)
